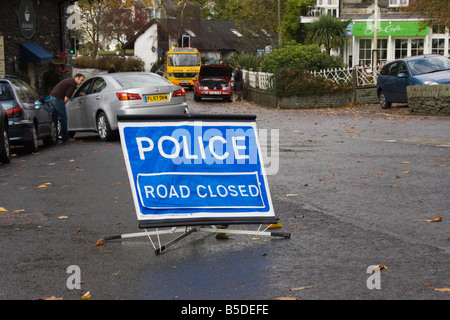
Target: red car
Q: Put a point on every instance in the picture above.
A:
(214, 81)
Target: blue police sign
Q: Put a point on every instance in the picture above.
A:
(195, 170)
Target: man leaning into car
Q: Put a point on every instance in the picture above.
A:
(60, 94)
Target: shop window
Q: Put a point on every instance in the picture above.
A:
(438, 46)
(417, 46)
(401, 48)
(382, 51)
(365, 52)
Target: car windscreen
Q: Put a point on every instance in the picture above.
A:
(428, 65)
(141, 80)
(212, 72)
(184, 59)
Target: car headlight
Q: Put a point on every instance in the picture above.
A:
(432, 83)
(226, 87)
(203, 88)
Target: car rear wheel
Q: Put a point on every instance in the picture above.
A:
(104, 129)
(5, 153)
(383, 101)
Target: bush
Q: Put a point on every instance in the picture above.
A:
(294, 55)
(290, 82)
(105, 62)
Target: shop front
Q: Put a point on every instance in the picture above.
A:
(395, 39)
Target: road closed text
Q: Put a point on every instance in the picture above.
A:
(193, 190)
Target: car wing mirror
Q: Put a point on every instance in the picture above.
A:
(37, 104)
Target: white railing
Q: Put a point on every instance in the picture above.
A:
(365, 76)
(259, 80)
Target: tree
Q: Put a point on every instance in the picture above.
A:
(328, 32)
(432, 11)
(94, 17)
(291, 24)
(120, 24)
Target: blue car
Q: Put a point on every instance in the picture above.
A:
(397, 75)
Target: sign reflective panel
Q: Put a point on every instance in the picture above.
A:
(195, 170)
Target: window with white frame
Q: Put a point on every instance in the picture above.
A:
(417, 46)
(401, 48)
(398, 3)
(382, 51)
(438, 46)
(365, 52)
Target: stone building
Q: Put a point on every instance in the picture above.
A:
(33, 33)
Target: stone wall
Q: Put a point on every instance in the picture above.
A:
(429, 99)
(358, 95)
(49, 33)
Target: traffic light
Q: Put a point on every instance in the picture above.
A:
(73, 45)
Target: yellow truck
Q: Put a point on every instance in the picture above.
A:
(182, 66)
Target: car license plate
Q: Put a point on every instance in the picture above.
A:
(156, 97)
(215, 92)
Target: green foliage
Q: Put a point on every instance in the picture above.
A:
(289, 82)
(327, 31)
(246, 61)
(105, 62)
(293, 55)
(291, 24)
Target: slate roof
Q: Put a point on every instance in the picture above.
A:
(211, 35)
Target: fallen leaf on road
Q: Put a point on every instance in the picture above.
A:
(291, 194)
(442, 289)
(44, 185)
(274, 226)
(301, 288)
(437, 218)
(63, 217)
(3, 209)
(86, 296)
(286, 298)
(100, 242)
(379, 267)
(17, 211)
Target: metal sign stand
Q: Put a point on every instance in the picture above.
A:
(185, 231)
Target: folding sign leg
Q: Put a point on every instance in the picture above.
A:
(168, 244)
(214, 229)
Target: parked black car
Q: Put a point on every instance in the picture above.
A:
(5, 149)
(30, 118)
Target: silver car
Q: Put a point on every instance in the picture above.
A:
(95, 105)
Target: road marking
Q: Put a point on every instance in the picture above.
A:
(438, 143)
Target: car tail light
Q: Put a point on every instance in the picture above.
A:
(179, 93)
(15, 112)
(125, 96)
